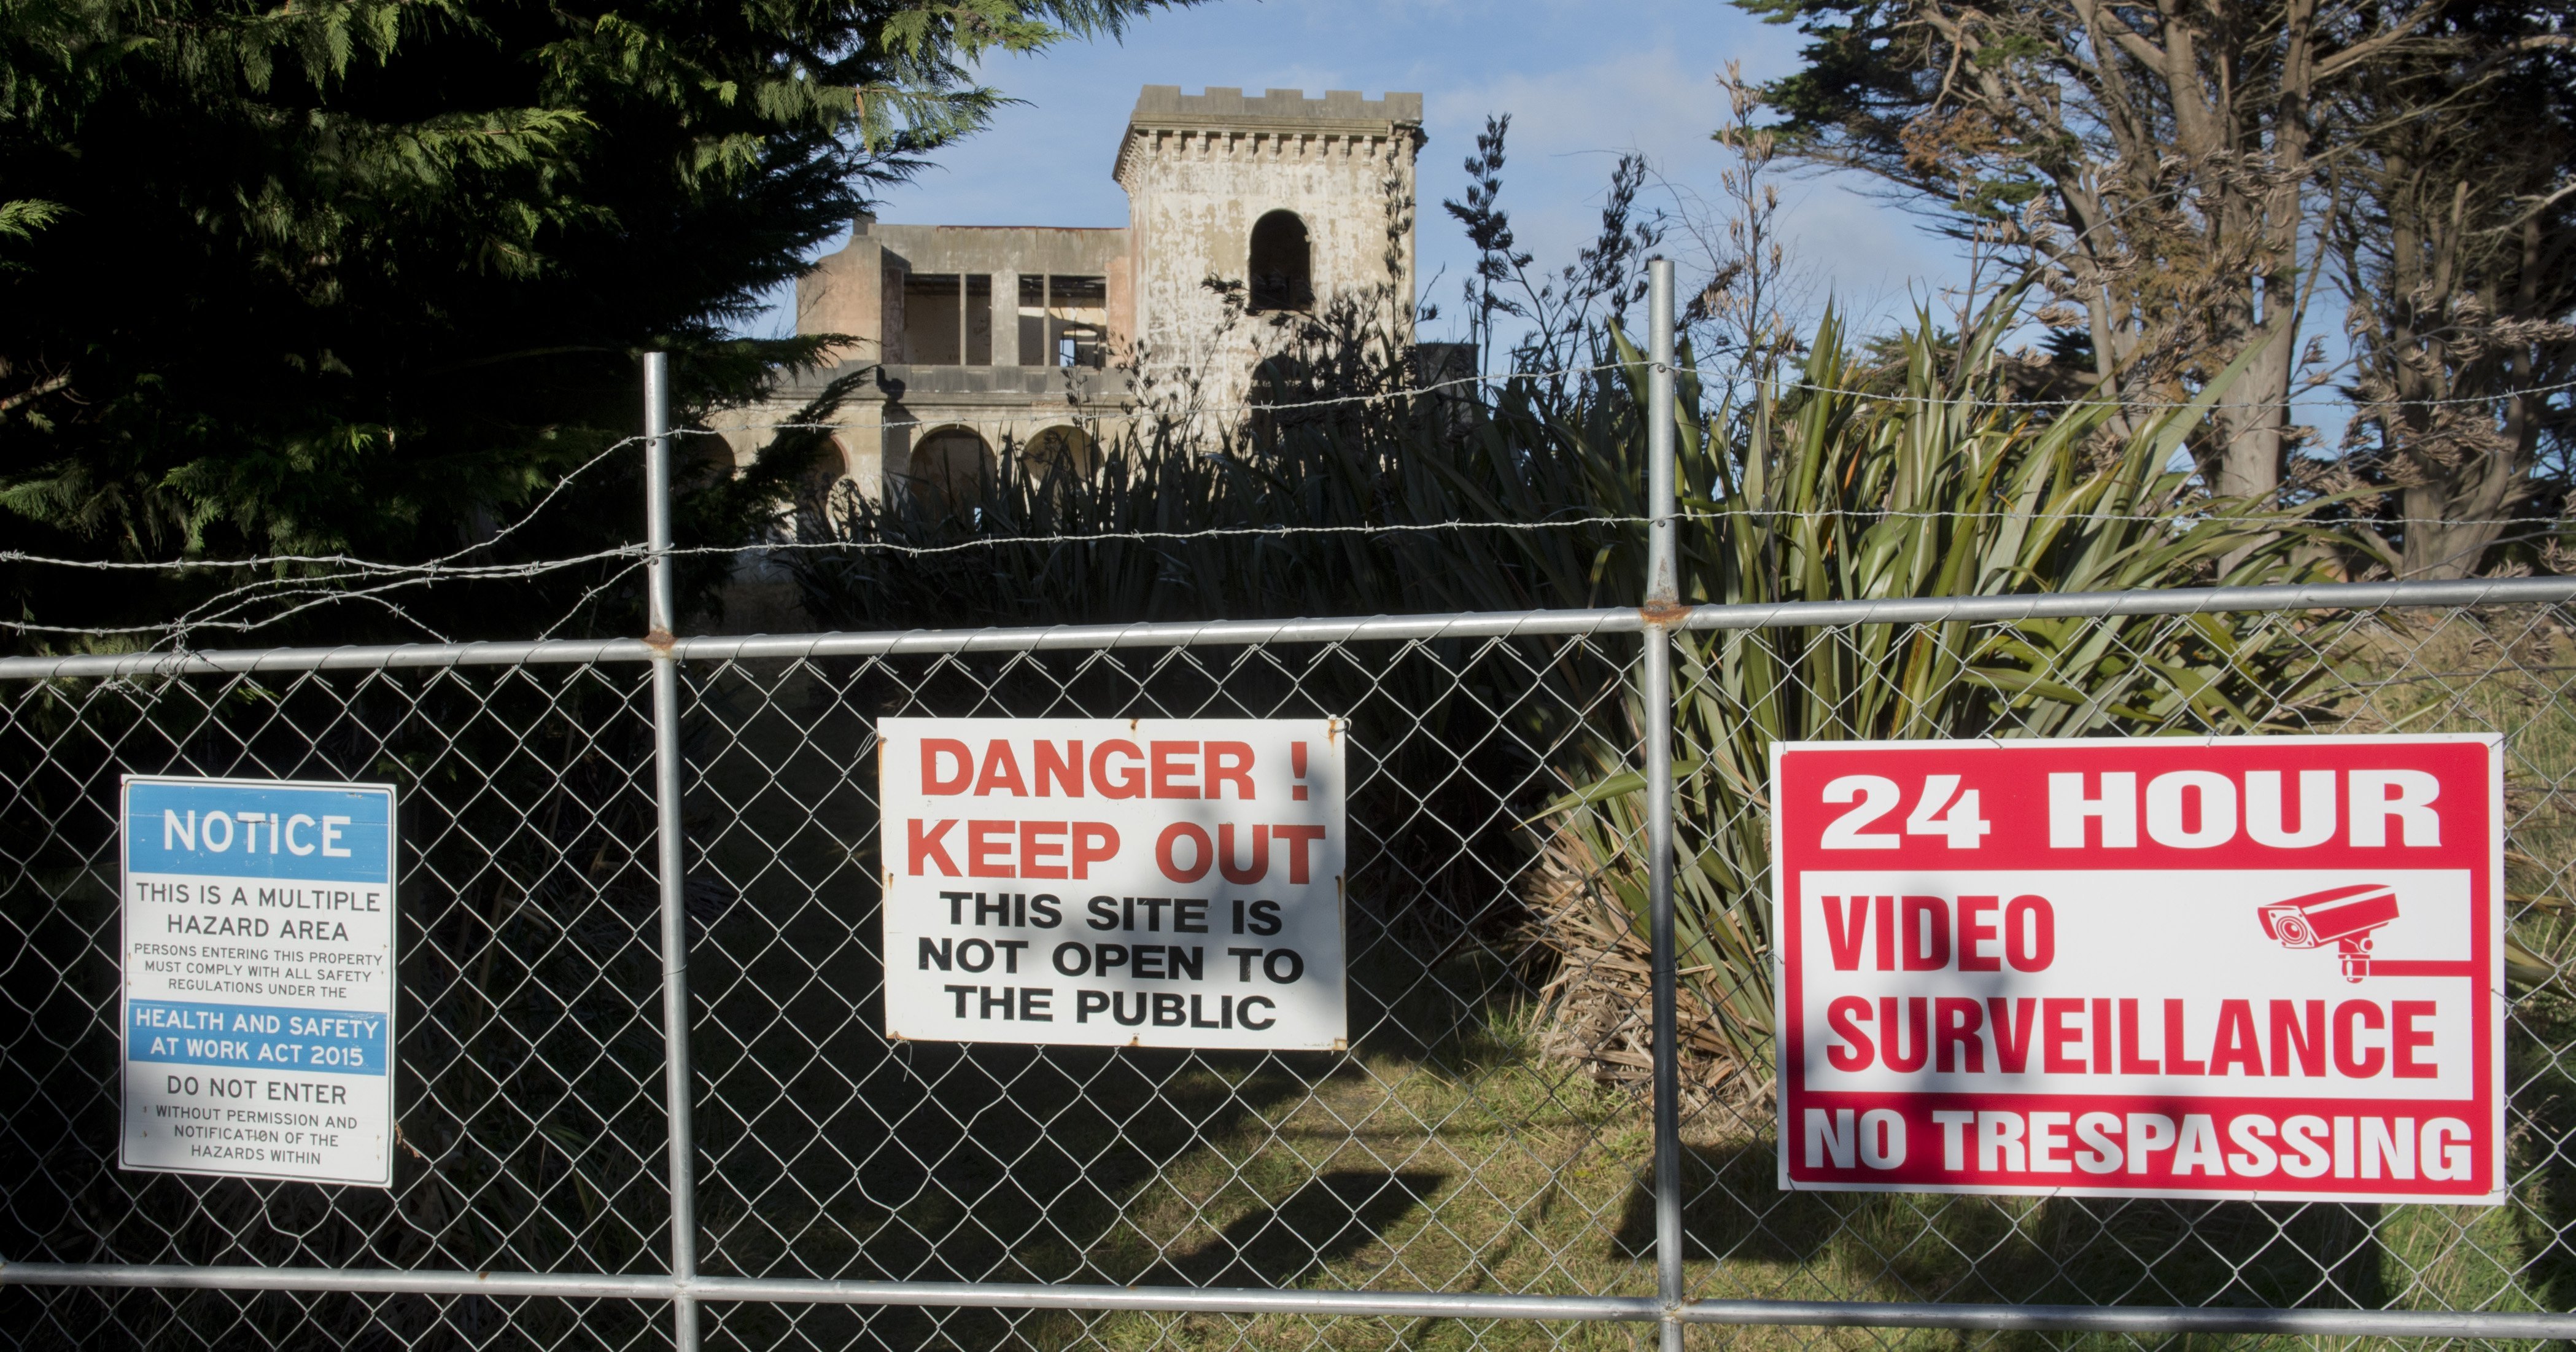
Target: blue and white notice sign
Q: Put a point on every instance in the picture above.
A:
(258, 1010)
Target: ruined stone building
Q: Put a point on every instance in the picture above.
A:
(1248, 217)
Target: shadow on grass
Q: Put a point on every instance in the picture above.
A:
(1733, 1211)
(1331, 1218)
(2071, 1251)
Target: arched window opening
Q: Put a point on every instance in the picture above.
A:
(1282, 268)
(818, 488)
(1061, 453)
(830, 464)
(949, 467)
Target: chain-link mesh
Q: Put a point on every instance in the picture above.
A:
(528, 1089)
(1486, 1132)
(1441, 1153)
(2503, 670)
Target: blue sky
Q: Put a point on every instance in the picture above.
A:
(1583, 83)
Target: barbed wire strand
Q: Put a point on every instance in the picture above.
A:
(1132, 412)
(523, 571)
(1398, 528)
(221, 611)
(225, 610)
(447, 562)
(639, 556)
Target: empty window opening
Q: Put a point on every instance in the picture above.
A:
(1282, 266)
(931, 310)
(1064, 320)
(948, 319)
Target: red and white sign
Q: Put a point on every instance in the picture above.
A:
(2238, 967)
(1114, 882)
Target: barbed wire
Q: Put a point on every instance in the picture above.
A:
(1129, 412)
(434, 572)
(227, 618)
(2262, 522)
(224, 612)
(1133, 412)
(239, 609)
(444, 564)
(1146, 536)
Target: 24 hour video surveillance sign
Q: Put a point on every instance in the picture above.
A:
(2260, 967)
(1114, 882)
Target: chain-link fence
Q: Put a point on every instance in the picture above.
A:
(1475, 1169)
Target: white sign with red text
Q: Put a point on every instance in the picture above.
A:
(1114, 882)
(2236, 967)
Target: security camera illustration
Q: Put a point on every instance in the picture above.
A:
(2343, 916)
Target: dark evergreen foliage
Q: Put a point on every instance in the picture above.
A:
(367, 277)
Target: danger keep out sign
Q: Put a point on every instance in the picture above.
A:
(1114, 882)
(2235, 967)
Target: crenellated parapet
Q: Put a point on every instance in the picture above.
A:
(1279, 125)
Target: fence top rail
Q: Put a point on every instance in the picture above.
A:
(2099, 1319)
(1237, 633)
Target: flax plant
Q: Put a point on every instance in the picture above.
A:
(1919, 479)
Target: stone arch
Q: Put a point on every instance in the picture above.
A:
(1282, 268)
(1063, 451)
(949, 468)
(820, 485)
(830, 465)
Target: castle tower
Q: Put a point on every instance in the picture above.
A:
(1253, 224)
(1298, 210)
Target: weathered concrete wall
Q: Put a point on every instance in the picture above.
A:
(859, 289)
(1200, 169)
(844, 294)
(1002, 248)
(1004, 406)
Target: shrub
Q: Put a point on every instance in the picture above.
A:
(1911, 477)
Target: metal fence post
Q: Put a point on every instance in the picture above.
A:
(1663, 604)
(660, 618)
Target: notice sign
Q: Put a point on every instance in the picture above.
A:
(258, 1010)
(2256, 967)
(1114, 882)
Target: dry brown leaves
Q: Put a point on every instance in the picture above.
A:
(1599, 996)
